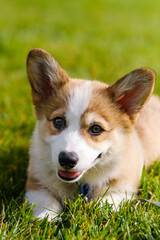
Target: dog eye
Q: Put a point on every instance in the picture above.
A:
(95, 130)
(59, 123)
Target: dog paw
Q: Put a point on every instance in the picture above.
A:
(50, 215)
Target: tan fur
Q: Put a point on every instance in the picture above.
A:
(148, 128)
(33, 183)
(102, 105)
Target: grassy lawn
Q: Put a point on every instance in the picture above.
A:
(98, 39)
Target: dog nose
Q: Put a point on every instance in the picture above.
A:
(68, 159)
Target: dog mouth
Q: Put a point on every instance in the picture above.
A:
(71, 176)
(68, 176)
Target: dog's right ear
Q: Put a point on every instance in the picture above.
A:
(133, 90)
(45, 74)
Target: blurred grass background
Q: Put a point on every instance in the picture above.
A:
(98, 39)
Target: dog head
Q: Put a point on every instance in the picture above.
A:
(83, 122)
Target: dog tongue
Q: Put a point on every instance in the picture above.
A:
(68, 174)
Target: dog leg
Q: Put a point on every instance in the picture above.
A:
(116, 198)
(46, 205)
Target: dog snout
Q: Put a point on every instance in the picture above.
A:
(68, 159)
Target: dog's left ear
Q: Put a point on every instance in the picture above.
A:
(45, 74)
(133, 90)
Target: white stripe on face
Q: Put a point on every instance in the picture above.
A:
(79, 100)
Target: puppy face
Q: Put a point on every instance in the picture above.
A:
(73, 123)
(83, 121)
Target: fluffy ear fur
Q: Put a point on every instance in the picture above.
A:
(44, 73)
(132, 91)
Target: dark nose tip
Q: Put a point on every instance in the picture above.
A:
(68, 159)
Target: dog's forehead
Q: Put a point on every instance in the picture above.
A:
(85, 98)
(79, 99)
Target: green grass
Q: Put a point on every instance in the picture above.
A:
(98, 39)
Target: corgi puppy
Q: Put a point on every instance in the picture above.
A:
(88, 133)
